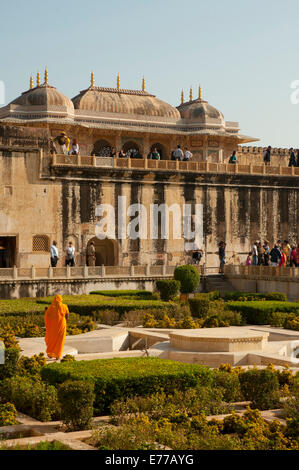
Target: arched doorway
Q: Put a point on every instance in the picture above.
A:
(160, 149)
(130, 148)
(101, 148)
(106, 252)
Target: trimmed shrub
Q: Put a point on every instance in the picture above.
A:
(30, 397)
(276, 296)
(76, 402)
(10, 366)
(261, 387)
(188, 277)
(115, 379)
(259, 312)
(280, 318)
(199, 305)
(229, 383)
(213, 294)
(8, 414)
(168, 289)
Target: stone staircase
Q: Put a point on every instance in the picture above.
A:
(218, 282)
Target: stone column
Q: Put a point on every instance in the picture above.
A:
(146, 145)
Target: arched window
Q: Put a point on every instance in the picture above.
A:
(130, 148)
(101, 148)
(40, 243)
(160, 148)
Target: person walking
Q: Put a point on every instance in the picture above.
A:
(221, 253)
(267, 155)
(91, 254)
(56, 317)
(178, 153)
(292, 160)
(70, 255)
(53, 254)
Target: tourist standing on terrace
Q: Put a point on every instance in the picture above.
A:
(221, 253)
(267, 155)
(233, 158)
(177, 154)
(91, 254)
(293, 257)
(188, 155)
(155, 154)
(292, 160)
(56, 317)
(260, 253)
(122, 154)
(297, 255)
(112, 153)
(275, 255)
(297, 157)
(248, 260)
(254, 254)
(287, 251)
(75, 147)
(266, 253)
(54, 254)
(70, 255)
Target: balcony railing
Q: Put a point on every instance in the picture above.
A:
(257, 272)
(170, 165)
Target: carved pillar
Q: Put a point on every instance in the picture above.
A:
(146, 145)
(118, 145)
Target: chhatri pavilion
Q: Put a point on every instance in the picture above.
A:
(102, 118)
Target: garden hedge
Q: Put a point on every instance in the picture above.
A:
(168, 289)
(259, 312)
(279, 296)
(122, 293)
(81, 304)
(115, 379)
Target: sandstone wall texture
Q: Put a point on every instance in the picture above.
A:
(61, 204)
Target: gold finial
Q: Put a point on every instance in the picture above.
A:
(46, 76)
(182, 97)
(31, 82)
(143, 84)
(199, 92)
(191, 94)
(38, 79)
(118, 82)
(92, 79)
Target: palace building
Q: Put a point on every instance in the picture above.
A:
(46, 196)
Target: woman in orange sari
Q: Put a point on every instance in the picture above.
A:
(56, 317)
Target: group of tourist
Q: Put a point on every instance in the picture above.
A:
(65, 143)
(282, 254)
(70, 254)
(293, 160)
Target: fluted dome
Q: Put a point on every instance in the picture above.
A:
(102, 100)
(45, 96)
(200, 111)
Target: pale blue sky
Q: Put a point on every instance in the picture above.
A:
(245, 54)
